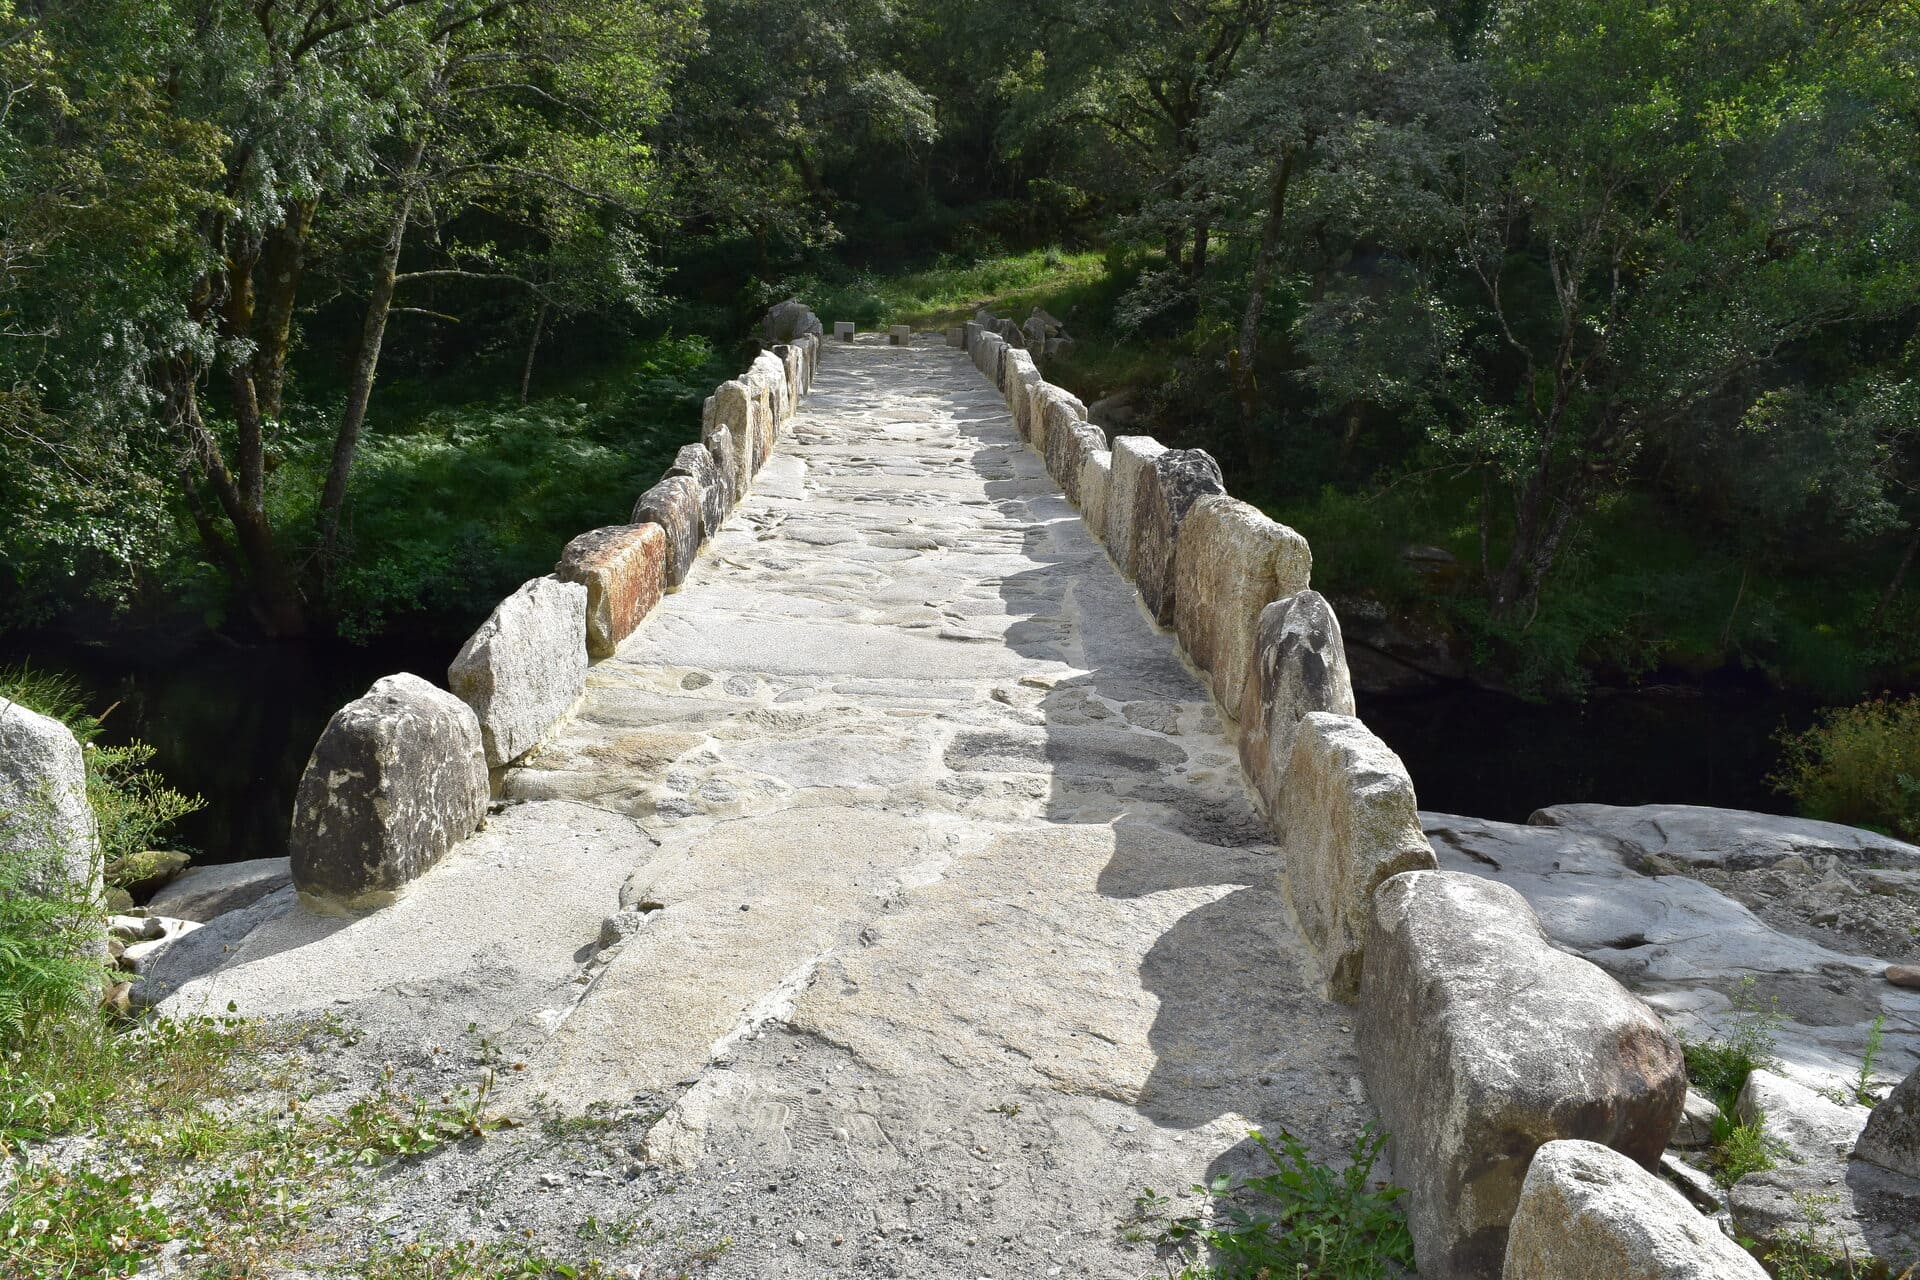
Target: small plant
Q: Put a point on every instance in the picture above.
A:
(1740, 1149)
(1719, 1068)
(1809, 1252)
(1869, 1058)
(1303, 1219)
(390, 1125)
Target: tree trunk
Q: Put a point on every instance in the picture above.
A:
(1245, 382)
(268, 585)
(533, 347)
(1202, 234)
(366, 362)
(282, 260)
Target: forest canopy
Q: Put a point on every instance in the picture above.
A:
(321, 314)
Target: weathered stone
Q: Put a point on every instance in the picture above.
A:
(1095, 472)
(1694, 1129)
(1011, 333)
(1178, 479)
(733, 412)
(1904, 975)
(716, 490)
(525, 666)
(1230, 563)
(201, 893)
(1891, 1138)
(719, 446)
(1587, 1212)
(1481, 1042)
(987, 351)
(395, 781)
(1807, 1127)
(1035, 332)
(43, 800)
(788, 320)
(1039, 396)
(1022, 375)
(1066, 438)
(1347, 821)
(1696, 835)
(624, 569)
(900, 335)
(767, 375)
(1854, 1210)
(1133, 456)
(1299, 665)
(676, 505)
(844, 330)
(956, 336)
(793, 359)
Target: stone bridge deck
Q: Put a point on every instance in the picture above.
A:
(956, 929)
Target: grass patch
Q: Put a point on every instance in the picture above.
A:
(1719, 1066)
(1303, 1219)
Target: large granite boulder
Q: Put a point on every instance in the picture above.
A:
(1347, 821)
(788, 320)
(1133, 457)
(624, 569)
(525, 666)
(1587, 1212)
(1096, 470)
(43, 802)
(397, 778)
(1178, 479)
(1854, 1210)
(678, 506)
(1698, 836)
(1891, 1138)
(1230, 563)
(733, 412)
(203, 892)
(716, 487)
(1299, 665)
(1481, 1043)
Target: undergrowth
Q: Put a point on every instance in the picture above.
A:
(1303, 1219)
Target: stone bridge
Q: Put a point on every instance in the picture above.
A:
(895, 884)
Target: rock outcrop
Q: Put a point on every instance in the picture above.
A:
(1481, 1043)
(525, 666)
(1695, 835)
(788, 320)
(1347, 822)
(1586, 1212)
(395, 781)
(1891, 1138)
(1229, 563)
(1806, 1127)
(204, 892)
(624, 569)
(1854, 1210)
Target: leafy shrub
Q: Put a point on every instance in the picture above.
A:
(1303, 1219)
(1740, 1149)
(1858, 765)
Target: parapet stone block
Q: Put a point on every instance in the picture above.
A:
(1586, 1212)
(734, 403)
(900, 335)
(1167, 491)
(719, 445)
(1096, 474)
(624, 569)
(397, 779)
(844, 330)
(676, 505)
(1229, 563)
(1299, 666)
(525, 667)
(1347, 821)
(716, 489)
(1481, 1043)
(1022, 377)
(1133, 456)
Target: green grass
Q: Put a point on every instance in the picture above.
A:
(1718, 1067)
(1304, 1218)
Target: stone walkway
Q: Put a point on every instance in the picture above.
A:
(943, 814)
(956, 929)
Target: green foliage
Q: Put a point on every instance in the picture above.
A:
(1737, 1150)
(133, 807)
(1719, 1067)
(1811, 1250)
(63, 1224)
(1303, 1219)
(1858, 765)
(49, 923)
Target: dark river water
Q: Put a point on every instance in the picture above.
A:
(235, 724)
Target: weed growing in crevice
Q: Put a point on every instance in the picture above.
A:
(1719, 1067)
(1303, 1219)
